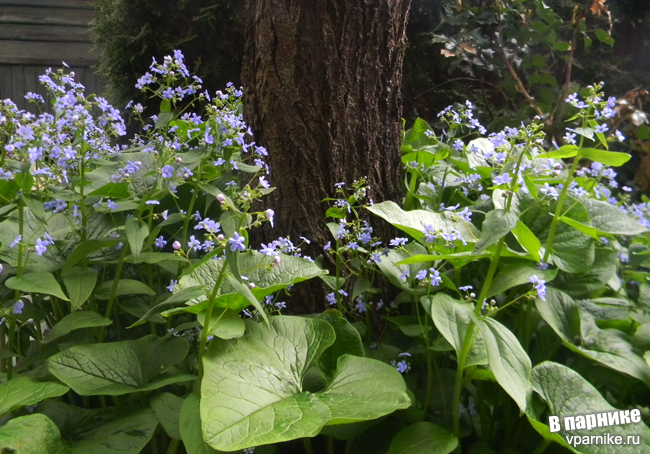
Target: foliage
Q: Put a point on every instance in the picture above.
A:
(129, 33)
(138, 318)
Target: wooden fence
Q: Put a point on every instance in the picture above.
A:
(38, 34)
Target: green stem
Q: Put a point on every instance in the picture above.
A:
(330, 445)
(173, 446)
(558, 209)
(309, 449)
(112, 296)
(410, 197)
(208, 317)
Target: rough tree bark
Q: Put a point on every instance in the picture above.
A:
(322, 93)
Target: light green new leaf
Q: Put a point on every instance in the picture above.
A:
(518, 274)
(496, 225)
(167, 408)
(225, 323)
(413, 222)
(128, 433)
(124, 287)
(423, 438)
(33, 434)
(578, 331)
(507, 359)
(120, 367)
(80, 284)
(527, 240)
(76, 320)
(566, 151)
(252, 390)
(136, 232)
(257, 268)
(37, 283)
(568, 394)
(609, 158)
(22, 391)
(452, 318)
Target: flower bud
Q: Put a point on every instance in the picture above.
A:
(176, 245)
(251, 286)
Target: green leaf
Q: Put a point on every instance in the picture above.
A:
(244, 291)
(37, 283)
(22, 391)
(247, 406)
(604, 37)
(127, 433)
(124, 287)
(413, 222)
(165, 105)
(527, 240)
(260, 270)
(80, 284)
(84, 249)
(579, 285)
(573, 251)
(496, 225)
(561, 46)
(452, 318)
(33, 434)
(225, 323)
(120, 367)
(609, 158)
(136, 232)
(585, 132)
(518, 274)
(347, 342)
(190, 427)
(174, 300)
(578, 331)
(163, 119)
(113, 191)
(568, 394)
(73, 321)
(423, 438)
(167, 408)
(565, 151)
(507, 359)
(609, 219)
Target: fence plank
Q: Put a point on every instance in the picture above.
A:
(18, 85)
(47, 53)
(77, 4)
(52, 16)
(33, 32)
(5, 81)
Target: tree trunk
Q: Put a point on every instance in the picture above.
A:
(322, 94)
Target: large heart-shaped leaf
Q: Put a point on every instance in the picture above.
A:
(578, 331)
(258, 268)
(120, 367)
(568, 394)
(79, 283)
(27, 391)
(252, 392)
(518, 274)
(413, 222)
(30, 435)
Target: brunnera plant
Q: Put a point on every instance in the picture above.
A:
(135, 315)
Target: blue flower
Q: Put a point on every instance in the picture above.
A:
(111, 205)
(402, 367)
(502, 179)
(331, 299)
(237, 243)
(570, 138)
(194, 243)
(172, 284)
(601, 128)
(167, 171)
(422, 275)
(619, 135)
(16, 241)
(396, 242)
(539, 285)
(160, 242)
(17, 308)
